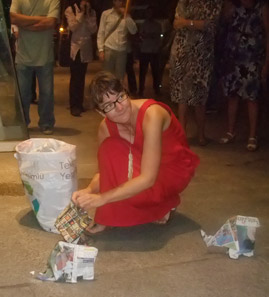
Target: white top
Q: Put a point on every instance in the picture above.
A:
(118, 39)
(82, 27)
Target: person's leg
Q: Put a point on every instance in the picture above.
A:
(200, 121)
(24, 74)
(143, 68)
(154, 64)
(77, 84)
(120, 64)
(109, 60)
(45, 77)
(253, 109)
(34, 96)
(182, 115)
(132, 86)
(232, 113)
(233, 103)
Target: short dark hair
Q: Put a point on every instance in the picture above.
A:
(104, 83)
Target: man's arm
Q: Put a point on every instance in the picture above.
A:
(45, 23)
(33, 23)
(22, 20)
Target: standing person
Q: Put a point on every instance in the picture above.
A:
(112, 38)
(192, 57)
(81, 19)
(247, 54)
(36, 21)
(150, 42)
(144, 159)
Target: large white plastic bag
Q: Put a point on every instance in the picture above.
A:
(49, 174)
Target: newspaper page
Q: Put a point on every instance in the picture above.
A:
(69, 262)
(237, 234)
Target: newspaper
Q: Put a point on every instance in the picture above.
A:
(237, 234)
(72, 223)
(69, 262)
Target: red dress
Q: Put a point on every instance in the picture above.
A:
(177, 167)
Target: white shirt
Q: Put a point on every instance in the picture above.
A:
(82, 27)
(118, 39)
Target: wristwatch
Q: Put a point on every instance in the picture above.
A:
(191, 23)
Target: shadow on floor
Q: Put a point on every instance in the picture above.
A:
(142, 238)
(27, 218)
(58, 131)
(147, 237)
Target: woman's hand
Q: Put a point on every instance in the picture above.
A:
(88, 201)
(80, 193)
(101, 56)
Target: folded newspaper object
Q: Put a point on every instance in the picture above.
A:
(69, 262)
(72, 222)
(237, 234)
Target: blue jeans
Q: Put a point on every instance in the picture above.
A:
(44, 76)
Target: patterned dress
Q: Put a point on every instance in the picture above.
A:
(245, 52)
(192, 53)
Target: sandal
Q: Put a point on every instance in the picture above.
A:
(228, 138)
(252, 145)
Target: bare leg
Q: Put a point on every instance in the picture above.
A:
(232, 113)
(200, 121)
(253, 109)
(182, 115)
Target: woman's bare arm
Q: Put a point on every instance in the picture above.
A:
(154, 121)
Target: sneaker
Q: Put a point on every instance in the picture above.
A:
(47, 130)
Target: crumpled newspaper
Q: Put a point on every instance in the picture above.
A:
(69, 262)
(237, 234)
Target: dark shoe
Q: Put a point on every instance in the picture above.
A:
(203, 142)
(75, 112)
(47, 130)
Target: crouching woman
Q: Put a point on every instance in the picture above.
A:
(143, 157)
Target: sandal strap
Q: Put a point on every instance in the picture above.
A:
(252, 139)
(231, 135)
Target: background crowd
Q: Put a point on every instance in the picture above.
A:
(211, 45)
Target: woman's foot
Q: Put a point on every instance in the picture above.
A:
(227, 138)
(252, 145)
(166, 218)
(96, 228)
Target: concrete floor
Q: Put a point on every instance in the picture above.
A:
(149, 260)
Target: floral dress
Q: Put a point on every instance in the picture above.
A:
(244, 52)
(192, 53)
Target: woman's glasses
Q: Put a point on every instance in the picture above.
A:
(112, 105)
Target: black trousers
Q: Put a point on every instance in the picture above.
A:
(77, 83)
(144, 60)
(131, 73)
